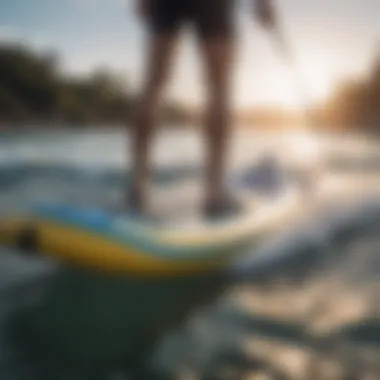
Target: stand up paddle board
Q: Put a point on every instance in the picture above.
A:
(110, 242)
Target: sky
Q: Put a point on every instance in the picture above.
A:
(330, 40)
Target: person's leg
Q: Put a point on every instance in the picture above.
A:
(160, 52)
(217, 45)
(218, 54)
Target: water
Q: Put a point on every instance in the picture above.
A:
(315, 313)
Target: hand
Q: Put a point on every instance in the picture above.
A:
(265, 13)
(143, 8)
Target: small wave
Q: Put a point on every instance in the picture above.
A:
(15, 173)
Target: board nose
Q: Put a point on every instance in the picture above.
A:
(28, 239)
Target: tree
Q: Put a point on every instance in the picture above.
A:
(34, 88)
(356, 104)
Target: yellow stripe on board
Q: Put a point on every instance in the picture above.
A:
(87, 250)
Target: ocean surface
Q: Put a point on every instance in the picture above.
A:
(314, 315)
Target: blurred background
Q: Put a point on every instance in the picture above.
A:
(69, 75)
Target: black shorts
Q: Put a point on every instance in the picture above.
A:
(210, 18)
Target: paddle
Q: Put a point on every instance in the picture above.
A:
(310, 123)
(304, 96)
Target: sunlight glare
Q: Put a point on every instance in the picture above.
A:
(317, 78)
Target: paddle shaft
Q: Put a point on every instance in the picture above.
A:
(303, 94)
(310, 123)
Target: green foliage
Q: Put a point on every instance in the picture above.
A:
(34, 89)
(28, 83)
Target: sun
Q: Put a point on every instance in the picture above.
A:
(317, 77)
(299, 85)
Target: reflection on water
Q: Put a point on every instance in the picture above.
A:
(313, 313)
